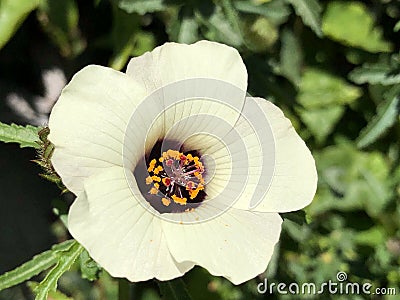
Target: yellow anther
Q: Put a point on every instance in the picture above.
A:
(172, 153)
(156, 185)
(156, 178)
(153, 191)
(178, 200)
(158, 170)
(149, 180)
(161, 159)
(151, 165)
(166, 201)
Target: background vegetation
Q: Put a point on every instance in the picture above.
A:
(332, 66)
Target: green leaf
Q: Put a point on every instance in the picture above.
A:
(217, 26)
(29, 269)
(53, 295)
(89, 268)
(65, 260)
(184, 28)
(142, 6)
(291, 57)
(174, 290)
(60, 20)
(309, 11)
(386, 116)
(357, 180)
(319, 88)
(351, 24)
(260, 33)
(397, 26)
(12, 15)
(276, 11)
(379, 73)
(25, 136)
(33, 267)
(123, 34)
(321, 121)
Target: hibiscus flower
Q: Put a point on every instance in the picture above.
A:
(173, 165)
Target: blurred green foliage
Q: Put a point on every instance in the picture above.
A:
(332, 66)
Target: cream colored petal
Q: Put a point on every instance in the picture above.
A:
(122, 236)
(187, 82)
(294, 179)
(237, 245)
(174, 62)
(88, 122)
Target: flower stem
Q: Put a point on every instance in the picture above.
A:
(124, 289)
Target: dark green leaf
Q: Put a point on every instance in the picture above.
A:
(387, 114)
(291, 57)
(124, 31)
(276, 11)
(25, 136)
(59, 19)
(89, 268)
(309, 11)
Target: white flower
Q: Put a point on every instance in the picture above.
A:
(241, 162)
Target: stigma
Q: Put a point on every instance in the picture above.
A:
(175, 177)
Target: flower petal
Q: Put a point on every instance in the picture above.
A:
(87, 124)
(237, 245)
(186, 82)
(294, 179)
(174, 62)
(121, 235)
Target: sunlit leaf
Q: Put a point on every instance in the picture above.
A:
(12, 15)
(25, 136)
(141, 6)
(321, 121)
(184, 29)
(357, 179)
(378, 73)
(319, 88)
(217, 26)
(387, 114)
(309, 11)
(260, 34)
(351, 23)
(396, 27)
